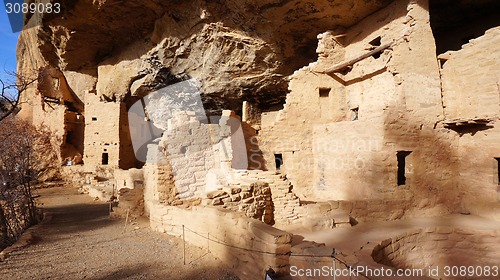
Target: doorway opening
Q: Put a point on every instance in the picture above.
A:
(278, 159)
(401, 155)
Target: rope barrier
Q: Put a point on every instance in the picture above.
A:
(271, 253)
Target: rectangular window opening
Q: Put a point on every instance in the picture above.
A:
(401, 155)
(324, 92)
(498, 171)
(377, 42)
(278, 159)
(105, 158)
(94, 119)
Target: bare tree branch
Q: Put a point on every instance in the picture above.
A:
(26, 154)
(11, 92)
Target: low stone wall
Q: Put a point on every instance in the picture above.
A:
(334, 213)
(129, 179)
(310, 260)
(441, 247)
(248, 245)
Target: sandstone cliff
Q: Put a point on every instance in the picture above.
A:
(239, 50)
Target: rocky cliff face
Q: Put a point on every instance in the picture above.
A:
(238, 49)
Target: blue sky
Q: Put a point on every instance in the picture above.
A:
(8, 41)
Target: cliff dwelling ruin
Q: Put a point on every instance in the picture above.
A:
(283, 132)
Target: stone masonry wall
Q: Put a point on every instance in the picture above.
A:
(193, 159)
(232, 237)
(264, 195)
(471, 79)
(254, 200)
(337, 133)
(441, 246)
(479, 174)
(102, 133)
(200, 154)
(159, 185)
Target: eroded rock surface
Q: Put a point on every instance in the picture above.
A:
(239, 50)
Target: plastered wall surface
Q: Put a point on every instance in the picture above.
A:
(339, 134)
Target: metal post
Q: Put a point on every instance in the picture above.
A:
(184, 244)
(126, 221)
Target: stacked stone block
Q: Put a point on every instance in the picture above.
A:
(254, 200)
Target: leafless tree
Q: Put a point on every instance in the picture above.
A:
(11, 90)
(26, 155)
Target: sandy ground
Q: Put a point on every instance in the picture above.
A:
(80, 241)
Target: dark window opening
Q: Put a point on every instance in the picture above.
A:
(94, 119)
(183, 149)
(498, 170)
(239, 110)
(105, 158)
(346, 70)
(377, 42)
(354, 114)
(401, 155)
(324, 92)
(278, 159)
(454, 23)
(69, 137)
(442, 61)
(70, 106)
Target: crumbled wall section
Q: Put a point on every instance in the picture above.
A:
(159, 184)
(128, 179)
(253, 199)
(55, 106)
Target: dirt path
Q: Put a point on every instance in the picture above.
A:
(80, 241)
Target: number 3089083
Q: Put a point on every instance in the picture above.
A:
(42, 8)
